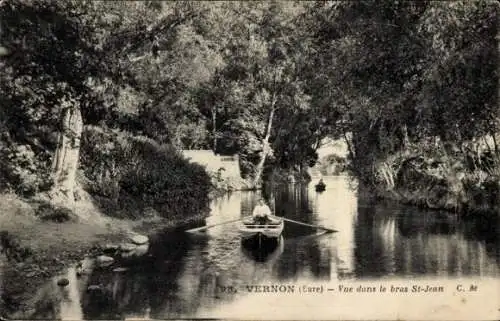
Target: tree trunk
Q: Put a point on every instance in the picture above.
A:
(485, 140)
(349, 146)
(214, 130)
(265, 150)
(406, 139)
(67, 154)
(495, 143)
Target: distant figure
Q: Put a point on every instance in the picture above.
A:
(261, 212)
(321, 182)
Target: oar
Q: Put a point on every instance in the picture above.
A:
(310, 225)
(209, 226)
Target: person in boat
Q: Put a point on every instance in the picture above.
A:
(261, 212)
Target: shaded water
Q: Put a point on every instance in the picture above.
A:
(191, 275)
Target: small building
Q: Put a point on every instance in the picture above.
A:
(227, 165)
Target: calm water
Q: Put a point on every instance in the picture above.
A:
(189, 275)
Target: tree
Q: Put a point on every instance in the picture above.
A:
(401, 72)
(51, 53)
(261, 78)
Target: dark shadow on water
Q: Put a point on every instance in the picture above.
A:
(259, 251)
(302, 253)
(293, 202)
(487, 231)
(149, 283)
(304, 256)
(413, 221)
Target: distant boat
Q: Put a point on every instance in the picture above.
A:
(320, 187)
(259, 234)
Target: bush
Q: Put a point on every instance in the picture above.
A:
(121, 166)
(48, 212)
(12, 249)
(441, 178)
(23, 170)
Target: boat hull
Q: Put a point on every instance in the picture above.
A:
(260, 241)
(268, 234)
(249, 231)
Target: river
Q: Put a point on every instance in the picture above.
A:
(200, 275)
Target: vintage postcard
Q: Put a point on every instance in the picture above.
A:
(251, 160)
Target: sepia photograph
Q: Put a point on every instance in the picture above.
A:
(249, 160)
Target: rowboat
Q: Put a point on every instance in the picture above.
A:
(269, 231)
(320, 187)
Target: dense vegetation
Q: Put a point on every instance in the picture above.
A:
(411, 86)
(418, 86)
(59, 55)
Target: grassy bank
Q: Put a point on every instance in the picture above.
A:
(41, 248)
(46, 246)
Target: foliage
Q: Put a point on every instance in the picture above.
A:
(119, 166)
(265, 80)
(434, 178)
(260, 90)
(47, 58)
(12, 249)
(402, 72)
(69, 52)
(332, 165)
(48, 212)
(20, 170)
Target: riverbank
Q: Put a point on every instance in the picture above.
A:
(39, 249)
(440, 180)
(50, 244)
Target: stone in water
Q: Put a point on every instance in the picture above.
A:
(127, 247)
(104, 260)
(139, 239)
(63, 282)
(120, 269)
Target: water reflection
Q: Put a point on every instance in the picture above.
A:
(262, 251)
(184, 275)
(71, 308)
(396, 240)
